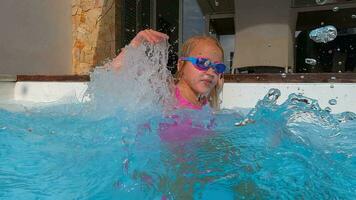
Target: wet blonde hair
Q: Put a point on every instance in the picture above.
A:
(187, 48)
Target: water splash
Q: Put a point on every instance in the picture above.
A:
(321, 2)
(332, 102)
(310, 61)
(297, 111)
(336, 9)
(142, 84)
(324, 34)
(295, 149)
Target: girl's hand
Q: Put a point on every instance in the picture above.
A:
(148, 35)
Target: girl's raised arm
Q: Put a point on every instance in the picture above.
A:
(148, 35)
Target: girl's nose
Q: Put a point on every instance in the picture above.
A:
(211, 71)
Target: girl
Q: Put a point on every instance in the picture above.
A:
(199, 78)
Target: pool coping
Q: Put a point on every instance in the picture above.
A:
(53, 78)
(292, 78)
(229, 78)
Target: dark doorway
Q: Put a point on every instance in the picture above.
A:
(137, 15)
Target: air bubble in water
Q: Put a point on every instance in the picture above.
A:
(320, 2)
(335, 9)
(332, 102)
(324, 34)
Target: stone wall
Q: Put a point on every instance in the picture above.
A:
(93, 32)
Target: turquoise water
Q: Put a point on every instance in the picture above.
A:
(128, 143)
(288, 151)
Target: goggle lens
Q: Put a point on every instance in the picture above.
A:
(204, 64)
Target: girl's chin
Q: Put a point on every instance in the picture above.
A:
(203, 90)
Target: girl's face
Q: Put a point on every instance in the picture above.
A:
(201, 82)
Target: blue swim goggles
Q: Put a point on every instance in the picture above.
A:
(204, 64)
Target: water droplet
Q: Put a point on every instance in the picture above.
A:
(302, 77)
(269, 45)
(328, 109)
(324, 34)
(339, 63)
(339, 71)
(272, 95)
(335, 9)
(216, 3)
(353, 16)
(310, 61)
(320, 2)
(338, 49)
(330, 51)
(322, 23)
(333, 78)
(332, 102)
(284, 75)
(244, 122)
(331, 85)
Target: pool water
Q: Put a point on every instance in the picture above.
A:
(121, 146)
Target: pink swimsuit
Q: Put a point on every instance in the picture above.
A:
(184, 103)
(182, 129)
